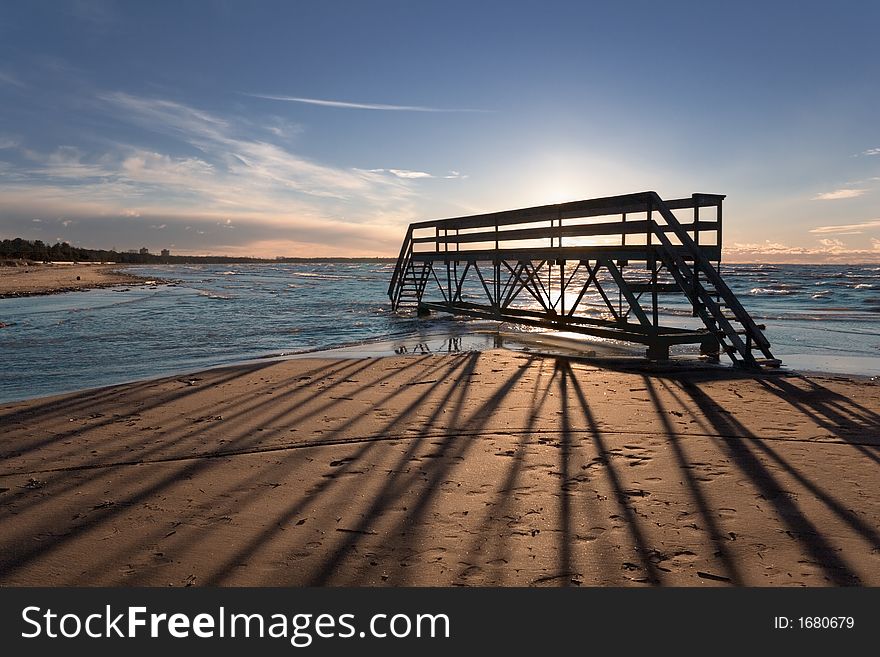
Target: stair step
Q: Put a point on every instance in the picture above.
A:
(768, 362)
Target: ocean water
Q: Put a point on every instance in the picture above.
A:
(819, 318)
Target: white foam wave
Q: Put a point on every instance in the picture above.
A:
(772, 291)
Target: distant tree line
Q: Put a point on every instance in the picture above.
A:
(36, 250)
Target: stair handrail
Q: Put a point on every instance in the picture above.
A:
(402, 261)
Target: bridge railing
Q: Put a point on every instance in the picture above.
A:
(624, 221)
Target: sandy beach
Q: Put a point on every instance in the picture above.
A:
(489, 468)
(29, 280)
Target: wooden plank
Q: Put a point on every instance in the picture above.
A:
(574, 230)
(636, 252)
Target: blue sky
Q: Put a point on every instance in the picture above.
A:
(193, 126)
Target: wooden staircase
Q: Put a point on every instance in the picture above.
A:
(412, 283)
(722, 313)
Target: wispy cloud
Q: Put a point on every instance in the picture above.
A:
(846, 229)
(403, 173)
(284, 129)
(839, 194)
(241, 170)
(407, 174)
(8, 78)
(217, 168)
(827, 250)
(871, 151)
(363, 106)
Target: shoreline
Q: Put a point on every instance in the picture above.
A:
(513, 342)
(489, 468)
(526, 344)
(46, 279)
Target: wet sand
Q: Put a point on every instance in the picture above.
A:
(30, 280)
(490, 468)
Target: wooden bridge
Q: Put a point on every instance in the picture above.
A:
(596, 267)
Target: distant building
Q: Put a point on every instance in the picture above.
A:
(165, 253)
(132, 251)
(144, 251)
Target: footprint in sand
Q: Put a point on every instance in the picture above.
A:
(594, 533)
(470, 571)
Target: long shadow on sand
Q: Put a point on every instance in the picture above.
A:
(370, 515)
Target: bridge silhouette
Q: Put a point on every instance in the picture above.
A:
(597, 267)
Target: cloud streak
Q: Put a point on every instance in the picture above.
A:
(407, 174)
(847, 229)
(839, 194)
(828, 250)
(363, 106)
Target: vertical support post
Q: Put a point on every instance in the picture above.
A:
(654, 312)
(448, 273)
(696, 284)
(652, 261)
(455, 264)
(562, 289)
(496, 287)
(559, 226)
(622, 243)
(561, 264)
